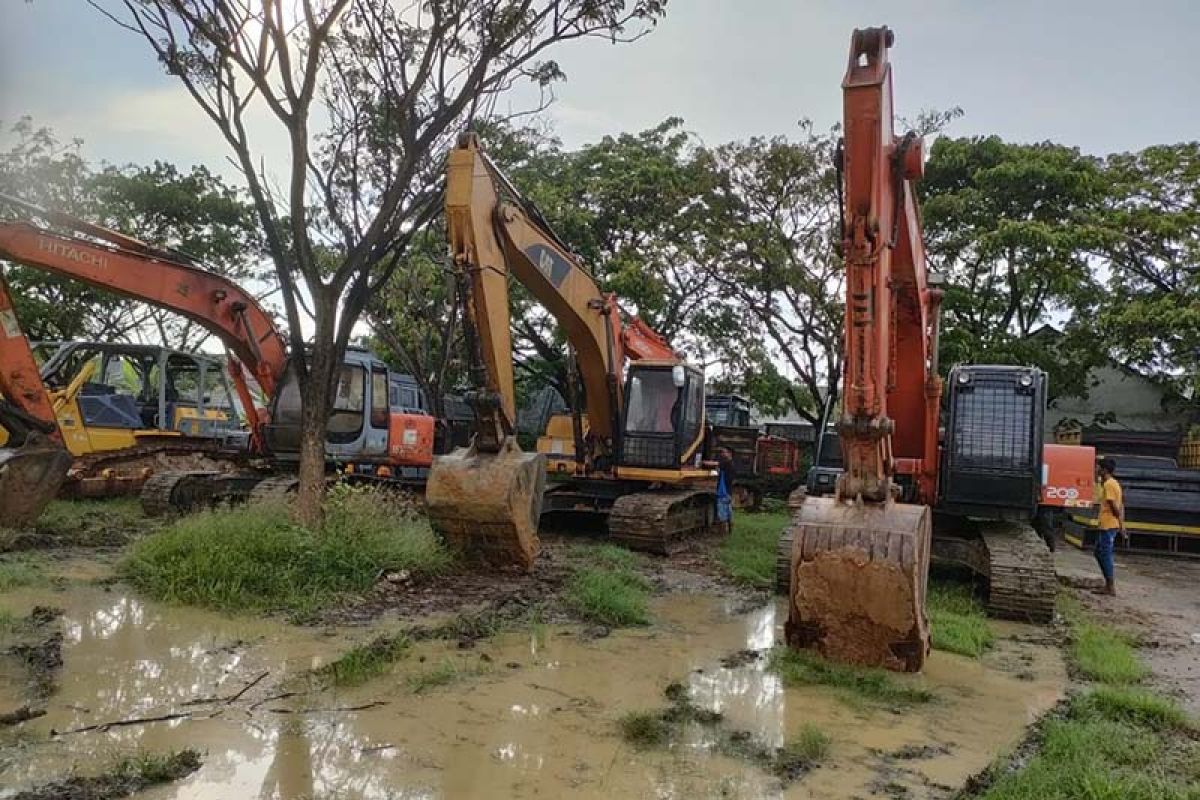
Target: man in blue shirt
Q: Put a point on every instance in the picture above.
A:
(725, 478)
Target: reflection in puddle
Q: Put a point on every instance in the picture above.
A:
(536, 717)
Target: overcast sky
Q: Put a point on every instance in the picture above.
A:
(1101, 74)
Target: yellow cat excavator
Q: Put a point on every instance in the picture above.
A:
(638, 461)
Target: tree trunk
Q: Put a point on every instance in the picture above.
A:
(317, 393)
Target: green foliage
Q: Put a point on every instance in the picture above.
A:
(361, 663)
(195, 212)
(257, 557)
(958, 621)
(616, 597)
(17, 573)
(444, 673)
(610, 556)
(805, 668)
(748, 553)
(117, 514)
(1101, 653)
(1150, 315)
(804, 751)
(1009, 228)
(1138, 707)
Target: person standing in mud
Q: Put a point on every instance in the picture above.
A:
(1111, 522)
(725, 475)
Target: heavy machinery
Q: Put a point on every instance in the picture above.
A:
(366, 433)
(637, 460)
(125, 410)
(857, 562)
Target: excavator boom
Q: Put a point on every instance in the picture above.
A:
(859, 561)
(487, 498)
(114, 262)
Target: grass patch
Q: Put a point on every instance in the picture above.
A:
(1103, 654)
(1134, 706)
(803, 752)
(649, 729)
(255, 557)
(361, 663)
(748, 553)
(130, 775)
(443, 673)
(958, 621)
(644, 729)
(804, 668)
(15, 574)
(76, 515)
(1115, 741)
(610, 556)
(614, 597)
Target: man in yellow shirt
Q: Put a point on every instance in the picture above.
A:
(1111, 522)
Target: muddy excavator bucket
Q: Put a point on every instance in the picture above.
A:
(30, 477)
(487, 505)
(857, 582)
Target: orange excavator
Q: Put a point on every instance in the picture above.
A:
(366, 429)
(857, 562)
(639, 461)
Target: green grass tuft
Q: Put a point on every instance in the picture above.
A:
(1104, 654)
(443, 673)
(748, 553)
(363, 662)
(15, 574)
(1133, 706)
(257, 557)
(610, 556)
(805, 668)
(147, 769)
(958, 621)
(644, 729)
(615, 597)
(808, 749)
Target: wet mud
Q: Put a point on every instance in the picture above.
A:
(530, 713)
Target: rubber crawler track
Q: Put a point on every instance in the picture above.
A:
(1021, 578)
(660, 521)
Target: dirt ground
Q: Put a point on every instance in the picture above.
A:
(1158, 601)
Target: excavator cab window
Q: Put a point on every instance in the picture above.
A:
(379, 397)
(662, 419)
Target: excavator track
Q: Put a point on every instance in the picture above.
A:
(1022, 584)
(126, 471)
(163, 492)
(660, 521)
(278, 489)
(783, 562)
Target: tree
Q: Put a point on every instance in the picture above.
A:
(393, 84)
(1150, 310)
(194, 212)
(778, 255)
(1010, 228)
(414, 319)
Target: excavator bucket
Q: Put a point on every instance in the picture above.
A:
(857, 582)
(30, 477)
(487, 505)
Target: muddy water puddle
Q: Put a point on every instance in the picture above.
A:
(522, 715)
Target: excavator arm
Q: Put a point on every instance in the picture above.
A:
(114, 262)
(859, 561)
(487, 498)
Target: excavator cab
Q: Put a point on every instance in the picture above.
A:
(663, 422)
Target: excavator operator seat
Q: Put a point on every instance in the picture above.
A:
(992, 455)
(664, 415)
